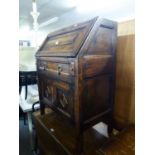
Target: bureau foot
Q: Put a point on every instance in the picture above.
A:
(79, 144)
(110, 129)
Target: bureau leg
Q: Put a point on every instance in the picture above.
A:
(29, 116)
(79, 144)
(110, 126)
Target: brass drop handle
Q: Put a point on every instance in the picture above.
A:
(59, 69)
(43, 66)
(72, 68)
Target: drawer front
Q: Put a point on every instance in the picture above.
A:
(59, 71)
(58, 95)
(66, 42)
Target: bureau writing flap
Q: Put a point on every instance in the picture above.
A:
(66, 42)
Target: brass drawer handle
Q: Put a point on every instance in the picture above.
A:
(42, 67)
(72, 68)
(59, 69)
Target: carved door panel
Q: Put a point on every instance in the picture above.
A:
(59, 96)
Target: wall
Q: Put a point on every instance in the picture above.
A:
(125, 86)
(27, 58)
(75, 16)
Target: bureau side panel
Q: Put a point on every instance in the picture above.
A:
(101, 39)
(96, 96)
(98, 55)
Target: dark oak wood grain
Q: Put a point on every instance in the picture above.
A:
(66, 42)
(76, 70)
(125, 74)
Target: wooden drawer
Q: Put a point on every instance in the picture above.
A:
(55, 70)
(66, 42)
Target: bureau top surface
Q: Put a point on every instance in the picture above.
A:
(68, 42)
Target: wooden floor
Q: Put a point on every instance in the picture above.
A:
(122, 144)
(56, 138)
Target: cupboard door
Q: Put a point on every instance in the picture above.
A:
(59, 96)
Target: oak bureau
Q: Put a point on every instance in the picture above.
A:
(76, 74)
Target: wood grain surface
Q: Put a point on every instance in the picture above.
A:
(125, 74)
